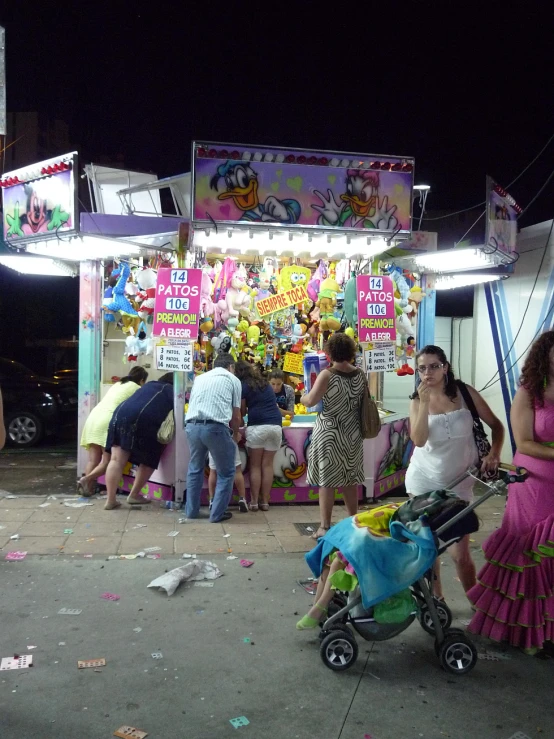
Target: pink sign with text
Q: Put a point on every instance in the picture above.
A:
(376, 315)
(177, 308)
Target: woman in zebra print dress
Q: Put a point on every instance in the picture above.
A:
(335, 457)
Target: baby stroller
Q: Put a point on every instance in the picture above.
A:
(456, 652)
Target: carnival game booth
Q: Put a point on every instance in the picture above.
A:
(42, 230)
(288, 243)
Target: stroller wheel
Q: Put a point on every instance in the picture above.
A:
(339, 650)
(450, 632)
(443, 612)
(457, 654)
(337, 626)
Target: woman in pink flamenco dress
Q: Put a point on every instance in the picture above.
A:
(514, 595)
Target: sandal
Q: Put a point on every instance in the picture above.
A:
(316, 536)
(83, 491)
(138, 501)
(111, 506)
(264, 506)
(253, 507)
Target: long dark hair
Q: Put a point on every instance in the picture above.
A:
(137, 374)
(451, 386)
(250, 375)
(536, 370)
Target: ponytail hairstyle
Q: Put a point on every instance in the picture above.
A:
(450, 386)
(250, 375)
(137, 374)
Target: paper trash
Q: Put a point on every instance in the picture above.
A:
(198, 569)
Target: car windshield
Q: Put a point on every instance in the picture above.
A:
(9, 368)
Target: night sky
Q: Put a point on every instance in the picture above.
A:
(468, 93)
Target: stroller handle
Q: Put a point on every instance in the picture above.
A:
(498, 487)
(516, 474)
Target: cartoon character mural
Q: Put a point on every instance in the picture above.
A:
(286, 467)
(38, 216)
(360, 206)
(242, 187)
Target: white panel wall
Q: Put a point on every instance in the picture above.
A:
(461, 352)
(397, 390)
(510, 323)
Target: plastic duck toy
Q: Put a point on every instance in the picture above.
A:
(286, 420)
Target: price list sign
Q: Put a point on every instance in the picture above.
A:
(177, 307)
(380, 358)
(177, 358)
(376, 316)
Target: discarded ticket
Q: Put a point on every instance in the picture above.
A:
(84, 663)
(129, 732)
(197, 569)
(17, 662)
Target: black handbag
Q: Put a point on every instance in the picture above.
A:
(479, 434)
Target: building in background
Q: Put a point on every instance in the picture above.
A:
(33, 137)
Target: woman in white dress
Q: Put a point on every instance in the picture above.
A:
(441, 427)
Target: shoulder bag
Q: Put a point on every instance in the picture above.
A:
(479, 434)
(166, 432)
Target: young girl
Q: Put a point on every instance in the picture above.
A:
(263, 433)
(284, 394)
(338, 573)
(239, 482)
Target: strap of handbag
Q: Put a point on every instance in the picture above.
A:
(466, 395)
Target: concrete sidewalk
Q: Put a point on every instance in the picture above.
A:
(44, 530)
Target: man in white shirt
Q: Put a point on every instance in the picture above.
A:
(212, 425)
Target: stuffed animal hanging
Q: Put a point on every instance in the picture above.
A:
(207, 308)
(109, 315)
(233, 299)
(351, 302)
(121, 303)
(326, 301)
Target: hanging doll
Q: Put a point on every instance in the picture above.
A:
(109, 315)
(320, 274)
(146, 296)
(132, 348)
(326, 302)
(121, 303)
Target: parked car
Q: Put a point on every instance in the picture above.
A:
(34, 406)
(67, 374)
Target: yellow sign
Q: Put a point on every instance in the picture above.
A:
(275, 303)
(293, 363)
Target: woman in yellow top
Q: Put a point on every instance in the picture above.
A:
(95, 431)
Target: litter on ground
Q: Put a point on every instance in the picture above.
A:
(84, 663)
(193, 571)
(15, 556)
(17, 662)
(129, 732)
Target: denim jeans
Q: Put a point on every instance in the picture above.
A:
(216, 439)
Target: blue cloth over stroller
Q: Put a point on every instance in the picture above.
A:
(384, 565)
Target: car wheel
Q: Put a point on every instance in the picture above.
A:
(24, 429)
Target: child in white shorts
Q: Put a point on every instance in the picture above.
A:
(239, 481)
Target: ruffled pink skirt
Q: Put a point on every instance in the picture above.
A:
(514, 596)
